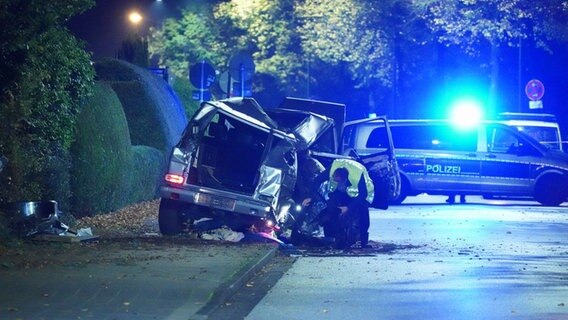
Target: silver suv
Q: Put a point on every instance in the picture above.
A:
(236, 164)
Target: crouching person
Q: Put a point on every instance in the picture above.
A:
(350, 190)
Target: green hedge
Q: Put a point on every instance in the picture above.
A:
(142, 114)
(101, 155)
(184, 90)
(146, 175)
(108, 172)
(154, 113)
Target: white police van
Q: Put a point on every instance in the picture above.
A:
(492, 159)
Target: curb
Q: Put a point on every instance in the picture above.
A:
(231, 286)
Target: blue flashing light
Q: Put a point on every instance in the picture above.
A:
(466, 113)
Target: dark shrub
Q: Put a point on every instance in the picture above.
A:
(101, 155)
(145, 173)
(155, 116)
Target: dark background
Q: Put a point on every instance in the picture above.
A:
(106, 25)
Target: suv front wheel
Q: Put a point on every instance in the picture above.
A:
(170, 218)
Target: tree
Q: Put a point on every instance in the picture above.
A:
(194, 37)
(475, 25)
(44, 75)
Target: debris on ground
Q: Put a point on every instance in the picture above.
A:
(140, 219)
(223, 234)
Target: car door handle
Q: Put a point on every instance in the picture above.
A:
(471, 155)
(491, 156)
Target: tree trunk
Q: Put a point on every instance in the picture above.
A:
(494, 81)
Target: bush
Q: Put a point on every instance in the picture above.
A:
(108, 172)
(145, 173)
(101, 155)
(155, 116)
(184, 91)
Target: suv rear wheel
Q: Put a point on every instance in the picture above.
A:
(170, 218)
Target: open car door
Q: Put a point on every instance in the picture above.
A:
(382, 165)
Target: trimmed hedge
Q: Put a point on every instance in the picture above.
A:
(101, 155)
(184, 91)
(130, 106)
(154, 113)
(108, 173)
(146, 173)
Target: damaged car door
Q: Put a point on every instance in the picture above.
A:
(329, 140)
(232, 165)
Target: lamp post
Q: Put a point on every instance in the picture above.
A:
(134, 48)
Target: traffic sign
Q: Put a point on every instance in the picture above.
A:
(202, 75)
(534, 90)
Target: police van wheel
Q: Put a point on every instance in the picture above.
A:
(169, 218)
(404, 189)
(550, 191)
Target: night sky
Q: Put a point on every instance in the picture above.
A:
(106, 25)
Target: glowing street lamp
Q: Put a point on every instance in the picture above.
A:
(135, 17)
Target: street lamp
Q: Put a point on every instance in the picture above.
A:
(135, 17)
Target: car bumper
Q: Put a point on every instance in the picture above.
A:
(216, 199)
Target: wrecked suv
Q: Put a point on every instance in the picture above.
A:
(236, 164)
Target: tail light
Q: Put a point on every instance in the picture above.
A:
(174, 179)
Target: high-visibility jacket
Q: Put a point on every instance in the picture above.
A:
(356, 171)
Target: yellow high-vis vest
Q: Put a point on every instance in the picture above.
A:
(356, 170)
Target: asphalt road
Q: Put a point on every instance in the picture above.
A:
(481, 260)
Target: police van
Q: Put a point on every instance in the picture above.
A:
(490, 159)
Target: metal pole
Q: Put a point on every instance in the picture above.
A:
(519, 77)
(242, 74)
(202, 81)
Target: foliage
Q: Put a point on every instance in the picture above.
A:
(267, 29)
(381, 49)
(193, 38)
(108, 172)
(347, 31)
(146, 173)
(184, 91)
(101, 155)
(44, 75)
(468, 22)
(154, 113)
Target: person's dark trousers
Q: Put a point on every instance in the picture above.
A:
(361, 207)
(335, 224)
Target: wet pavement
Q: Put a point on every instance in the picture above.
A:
(134, 280)
(481, 260)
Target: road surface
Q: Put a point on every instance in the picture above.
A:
(480, 260)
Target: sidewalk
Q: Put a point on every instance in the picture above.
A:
(125, 279)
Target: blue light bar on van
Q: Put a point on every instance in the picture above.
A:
(466, 113)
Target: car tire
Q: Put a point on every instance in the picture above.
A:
(169, 218)
(404, 190)
(550, 190)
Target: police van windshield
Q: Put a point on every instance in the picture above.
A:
(547, 136)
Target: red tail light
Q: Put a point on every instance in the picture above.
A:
(174, 178)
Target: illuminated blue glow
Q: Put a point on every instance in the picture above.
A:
(466, 113)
